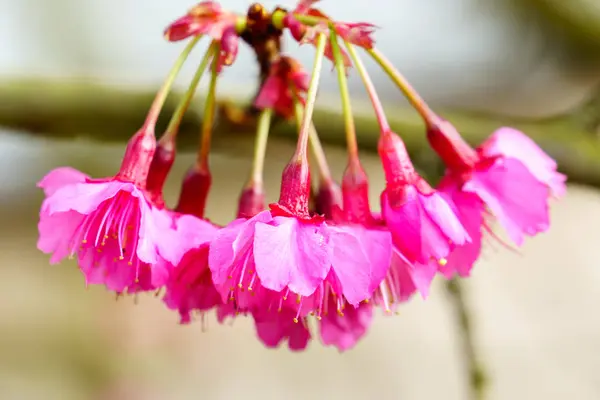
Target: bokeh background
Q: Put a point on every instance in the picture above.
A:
(535, 325)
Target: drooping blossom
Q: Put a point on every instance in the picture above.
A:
(109, 224)
(499, 173)
(423, 225)
(287, 81)
(357, 33)
(208, 18)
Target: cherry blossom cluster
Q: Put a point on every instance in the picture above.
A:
(320, 259)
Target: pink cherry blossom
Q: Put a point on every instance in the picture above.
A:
(205, 18)
(109, 224)
(209, 18)
(513, 194)
(423, 225)
(287, 80)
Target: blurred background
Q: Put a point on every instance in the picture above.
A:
(74, 83)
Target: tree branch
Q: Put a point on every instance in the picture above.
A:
(68, 109)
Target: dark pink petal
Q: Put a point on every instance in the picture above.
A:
(59, 177)
(274, 327)
(293, 254)
(190, 286)
(345, 331)
(185, 27)
(303, 6)
(359, 34)
(270, 92)
(514, 196)
(509, 142)
(229, 46)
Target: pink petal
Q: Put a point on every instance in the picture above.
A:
(509, 142)
(59, 177)
(407, 277)
(231, 243)
(360, 259)
(445, 218)
(416, 234)
(291, 254)
(344, 332)
(272, 328)
(86, 197)
(516, 198)
(469, 209)
(56, 232)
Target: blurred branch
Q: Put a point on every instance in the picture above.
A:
(62, 109)
(579, 20)
(476, 371)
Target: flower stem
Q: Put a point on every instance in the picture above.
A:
(173, 127)
(409, 92)
(260, 146)
(315, 144)
(162, 94)
(384, 125)
(476, 371)
(311, 96)
(345, 95)
(311, 20)
(209, 116)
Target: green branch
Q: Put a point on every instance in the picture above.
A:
(104, 113)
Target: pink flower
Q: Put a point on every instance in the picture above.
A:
(205, 18)
(208, 18)
(287, 80)
(359, 34)
(422, 224)
(109, 224)
(515, 196)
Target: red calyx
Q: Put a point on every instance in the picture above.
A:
(251, 202)
(328, 198)
(355, 192)
(163, 160)
(451, 147)
(295, 190)
(194, 191)
(396, 162)
(138, 157)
